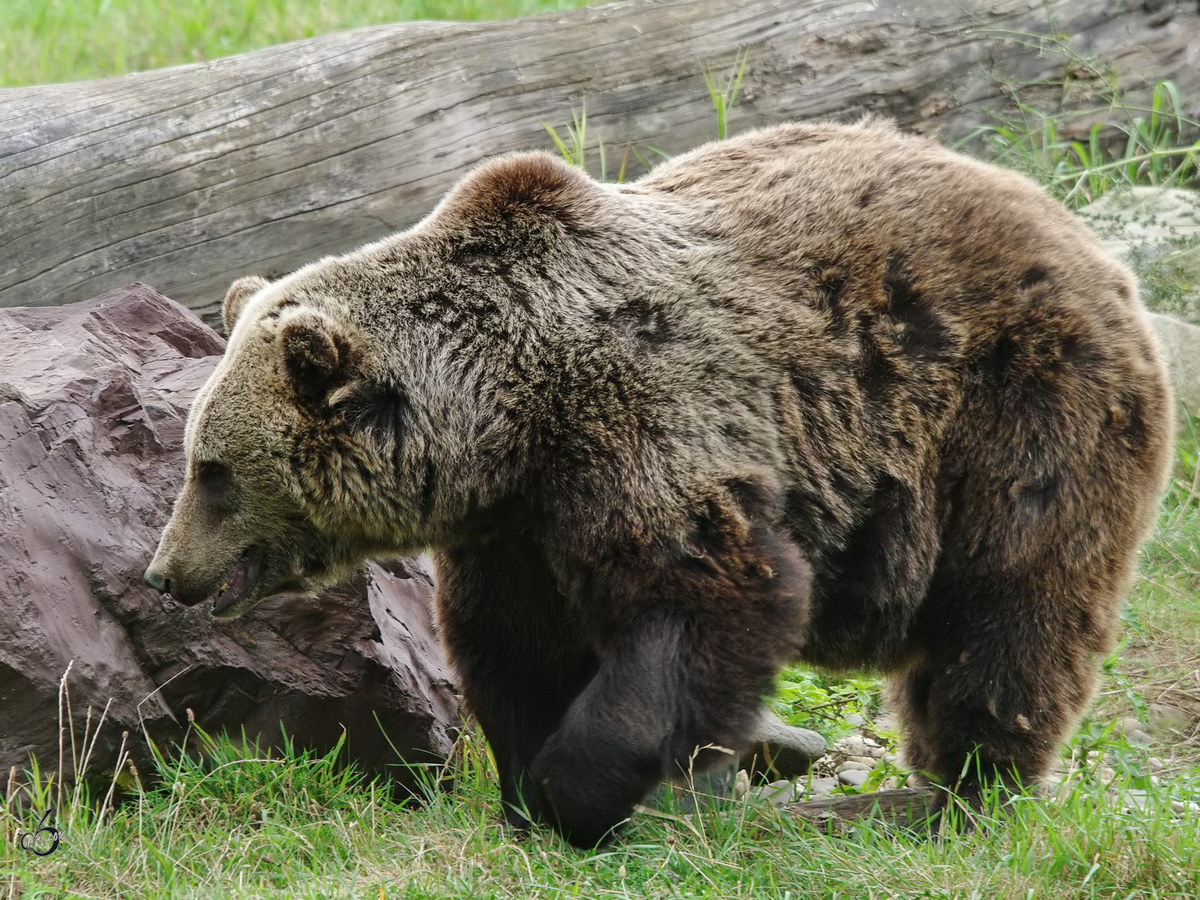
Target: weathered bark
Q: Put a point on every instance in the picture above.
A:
(903, 807)
(188, 177)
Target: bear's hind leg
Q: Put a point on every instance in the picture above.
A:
(996, 687)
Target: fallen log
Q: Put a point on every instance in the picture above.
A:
(902, 808)
(190, 176)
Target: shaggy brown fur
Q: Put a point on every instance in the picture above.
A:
(821, 392)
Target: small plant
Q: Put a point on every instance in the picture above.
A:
(824, 703)
(574, 148)
(723, 91)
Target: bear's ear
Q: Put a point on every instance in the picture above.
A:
(318, 353)
(237, 295)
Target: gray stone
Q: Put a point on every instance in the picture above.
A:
(1137, 736)
(1128, 725)
(852, 745)
(820, 787)
(741, 784)
(1180, 343)
(1165, 719)
(1149, 226)
(780, 751)
(780, 793)
(853, 777)
(854, 765)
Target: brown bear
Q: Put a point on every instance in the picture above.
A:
(825, 393)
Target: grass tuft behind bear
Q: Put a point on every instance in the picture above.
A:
(823, 392)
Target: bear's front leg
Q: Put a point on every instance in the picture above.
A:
(519, 659)
(696, 643)
(620, 736)
(664, 692)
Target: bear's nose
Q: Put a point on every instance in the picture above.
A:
(157, 580)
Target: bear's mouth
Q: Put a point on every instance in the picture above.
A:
(234, 597)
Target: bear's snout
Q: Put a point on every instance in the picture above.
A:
(157, 580)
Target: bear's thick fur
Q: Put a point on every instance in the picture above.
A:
(823, 392)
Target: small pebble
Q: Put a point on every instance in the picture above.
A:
(820, 787)
(1126, 725)
(1137, 736)
(868, 761)
(853, 765)
(853, 745)
(741, 784)
(853, 777)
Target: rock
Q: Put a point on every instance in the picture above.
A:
(780, 793)
(853, 777)
(1127, 726)
(1165, 720)
(853, 745)
(820, 787)
(1138, 736)
(1180, 343)
(868, 761)
(854, 765)
(1154, 227)
(93, 398)
(779, 750)
(741, 784)
(1132, 799)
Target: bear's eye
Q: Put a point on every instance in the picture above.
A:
(215, 482)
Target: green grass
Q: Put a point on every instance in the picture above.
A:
(244, 825)
(44, 41)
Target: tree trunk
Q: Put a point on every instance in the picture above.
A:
(191, 176)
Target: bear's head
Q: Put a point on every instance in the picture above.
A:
(360, 409)
(244, 525)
